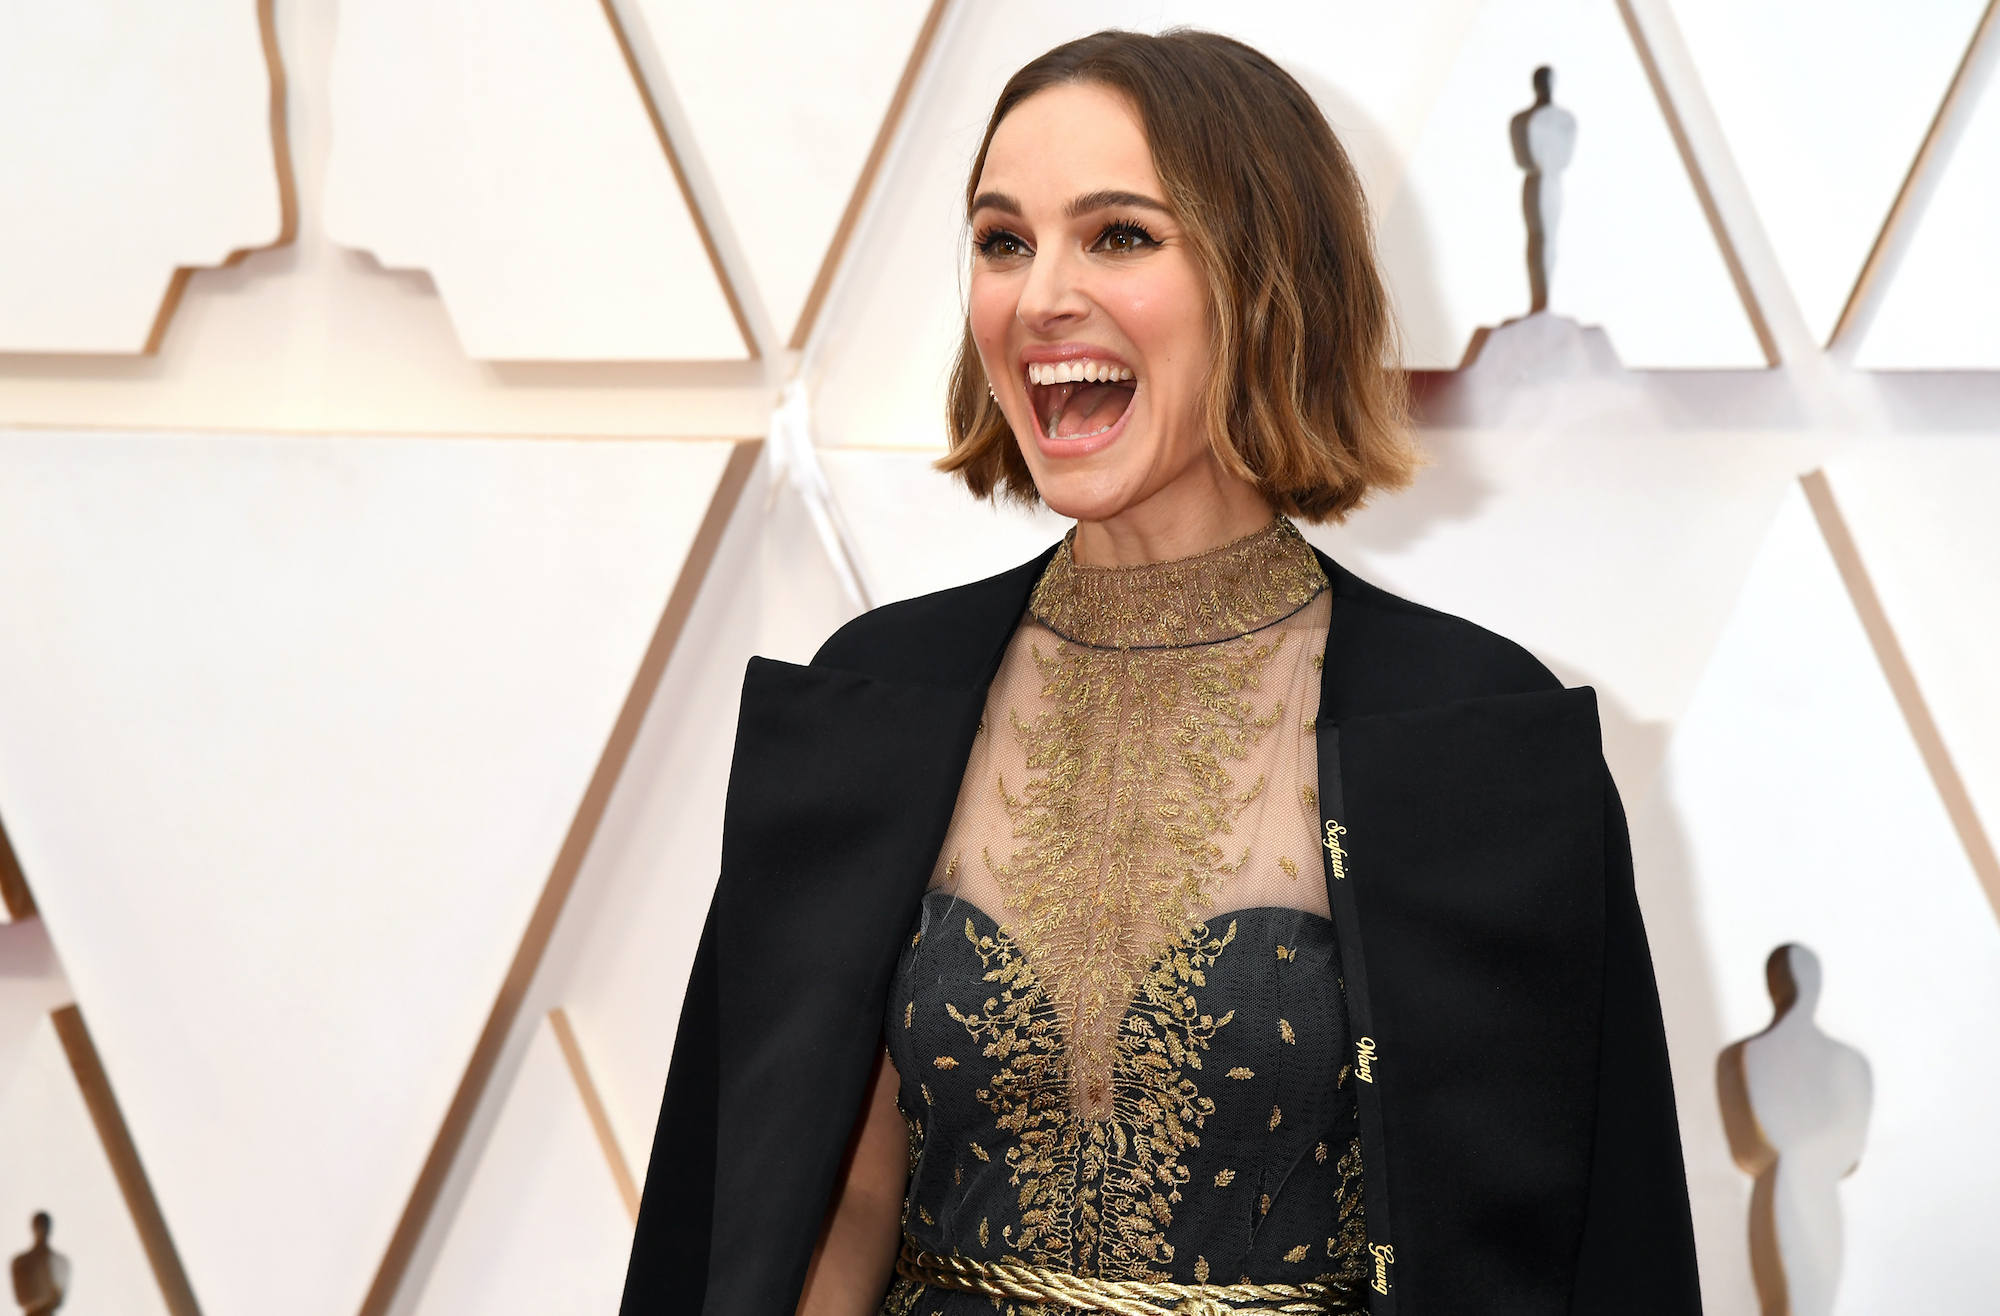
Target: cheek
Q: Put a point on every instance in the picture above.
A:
(1164, 314)
(990, 306)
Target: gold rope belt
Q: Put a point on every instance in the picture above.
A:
(1121, 1297)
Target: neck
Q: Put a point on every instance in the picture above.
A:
(1203, 509)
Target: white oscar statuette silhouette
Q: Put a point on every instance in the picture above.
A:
(1795, 1103)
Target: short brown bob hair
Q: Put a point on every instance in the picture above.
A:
(1302, 398)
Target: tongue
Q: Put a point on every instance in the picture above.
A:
(1088, 408)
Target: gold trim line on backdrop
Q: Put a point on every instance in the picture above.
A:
(123, 1155)
(702, 225)
(1906, 212)
(593, 1105)
(864, 182)
(1643, 41)
(1902, 678)
(281, 162)
(502, 1020)
(15, 897)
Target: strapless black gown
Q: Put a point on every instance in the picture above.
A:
(1229, 1149)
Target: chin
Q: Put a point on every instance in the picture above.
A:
(1082, 496)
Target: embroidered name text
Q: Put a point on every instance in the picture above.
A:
(1385, 1257)
(1334, 852)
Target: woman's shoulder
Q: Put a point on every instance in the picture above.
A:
(1387, 654)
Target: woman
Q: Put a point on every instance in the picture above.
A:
(1174, 923)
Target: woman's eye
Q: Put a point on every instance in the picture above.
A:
(1123, 238)
(1001, 245)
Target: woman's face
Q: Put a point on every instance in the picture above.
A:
(1089, 312)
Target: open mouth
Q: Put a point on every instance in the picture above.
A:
(1080, 399)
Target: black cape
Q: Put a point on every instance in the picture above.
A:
(1519, 1141)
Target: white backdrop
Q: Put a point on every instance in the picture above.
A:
(382, 535)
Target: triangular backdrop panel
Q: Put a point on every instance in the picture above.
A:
(541, 1228)
(1793, 806)
(52, 1160)
(1939, 310)
(1673, 519)
(290, 735)
(894, 500)
(619, 962)
(1824, 106)
(506, 148)
(785, 100)
(150, 151)
(882, 349)
(1633, 252)
(1922, 516)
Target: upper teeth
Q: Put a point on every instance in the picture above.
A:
(1076, 372)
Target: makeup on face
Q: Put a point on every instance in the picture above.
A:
(1090, 315)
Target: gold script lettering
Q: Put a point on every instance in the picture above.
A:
(1385, 1256)
(1364, 1060)
(1334, 831)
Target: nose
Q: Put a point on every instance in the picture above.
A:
(1051, 299)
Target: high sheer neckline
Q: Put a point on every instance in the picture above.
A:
(1223, 594)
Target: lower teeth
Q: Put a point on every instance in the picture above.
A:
(1056, 416)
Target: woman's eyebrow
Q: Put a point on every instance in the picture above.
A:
(1083, 205)
(1105, 200)
(999, 201)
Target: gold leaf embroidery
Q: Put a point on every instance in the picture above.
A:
(1129, 788)
(1096, 1195)
(1241, 1072)
(1264, 1205)
(1122, 828)
(1289, 865)
(1299, 1253)
(1319, 662)
(1201, 1270)
(1319, 1153)
(946, 1062)
(925, 1089)
(1349, 1246)
(909, 1012)
(925, 1216)
(1310, 796)
(1259, 579)
(1285, 1031)
(1275, 1118)
(985, 1239)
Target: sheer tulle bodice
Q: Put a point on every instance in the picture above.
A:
(1118, 1023)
